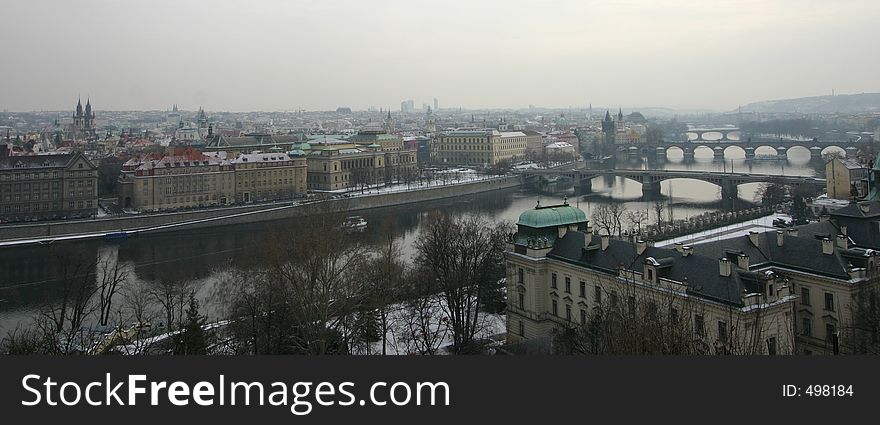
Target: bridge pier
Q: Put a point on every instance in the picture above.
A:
(729, 191)
(688, 153)
(815, 152)
(718, 152)
(851, 152)
(750, 153)
(782, 152)
(583, 186)
(650, 190)
(660, 152)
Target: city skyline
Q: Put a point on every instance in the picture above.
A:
(274, 56)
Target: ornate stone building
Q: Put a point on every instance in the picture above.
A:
(559, 274)
(478, 147)
(84, 120)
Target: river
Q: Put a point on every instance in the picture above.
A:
(29, 277)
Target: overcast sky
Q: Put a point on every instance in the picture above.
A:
(286, 54)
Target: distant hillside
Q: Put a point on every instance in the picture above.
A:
(844, 103)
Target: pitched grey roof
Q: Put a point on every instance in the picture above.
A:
(796, 253)
(700, 272)
(37, 161)
(854, 210)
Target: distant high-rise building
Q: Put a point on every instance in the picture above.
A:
(407, 106)
(436, 104)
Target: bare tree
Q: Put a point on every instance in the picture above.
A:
(462, 255)
(636, 218)
(110, 275)
(171, 296)
(861, 333)
(309, 296)
(64, 320)
(659, 207)
(609, 217)
(385, 278)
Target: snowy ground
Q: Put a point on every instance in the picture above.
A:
(493, 327)
(464, 177)
(762, 224)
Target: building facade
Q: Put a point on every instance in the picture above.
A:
(560, 274)
(339, 165)
(188, 178)
(846, 179)
(183, 178)
(478, 147)
(268, 176)
(47, 186)
(84, 120)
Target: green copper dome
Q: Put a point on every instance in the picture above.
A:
(551, 216)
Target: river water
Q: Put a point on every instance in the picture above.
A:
(28, 278)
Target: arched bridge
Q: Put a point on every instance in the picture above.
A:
(650, 179)
(724, 131)
(781, 146)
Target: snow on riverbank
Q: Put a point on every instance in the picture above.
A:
(762, 224)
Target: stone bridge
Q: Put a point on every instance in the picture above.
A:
(781, 146)
(724, 131)
(650, 179)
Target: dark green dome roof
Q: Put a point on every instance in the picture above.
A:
(552, 216)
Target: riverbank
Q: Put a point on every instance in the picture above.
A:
(56, 232)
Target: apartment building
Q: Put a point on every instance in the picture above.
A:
(46, 186)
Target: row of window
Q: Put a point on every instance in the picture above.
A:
(805, 299)
(698, 320)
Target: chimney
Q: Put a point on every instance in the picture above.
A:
(686, 250)
(780, 238)
(724, 267)
(605, 240)
(843, 230)
(842, 242)
(827, 246)
(3, 150)
(742, 260)
(793, 232)
(678, 246)
(865, 207)
(641, 246)
(753, 237)
(589, 230)
(588, 237)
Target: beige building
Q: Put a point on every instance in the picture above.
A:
(338, 165)
(478, 147)
(839, 285)
(188, 178)
(560, 274)
(182, 179)
(368, 158)
(534, 142)
(46, 186)
(269, 176)
(846, 179)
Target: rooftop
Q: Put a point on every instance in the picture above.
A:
(551, 216)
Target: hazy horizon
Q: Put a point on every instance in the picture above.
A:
(271, 55)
